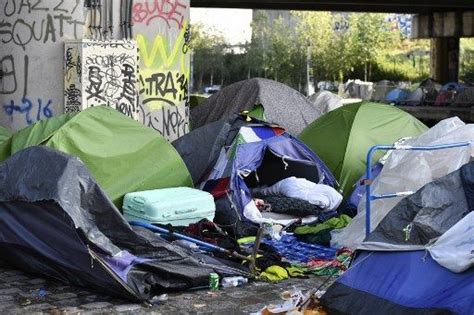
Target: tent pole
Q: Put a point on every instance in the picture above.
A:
(368, 181)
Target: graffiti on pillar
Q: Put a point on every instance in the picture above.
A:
(30, 30)
(173, 13)
(102, 73)
(164, 65)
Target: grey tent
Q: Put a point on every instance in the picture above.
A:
(201, 148)
(465, 98)
(282, 104)
(381, 89)
(427, 214)
(414, 98)
(57, 222)
(325, 101)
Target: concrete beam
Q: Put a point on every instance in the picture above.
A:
(395, 6)
(443, 24)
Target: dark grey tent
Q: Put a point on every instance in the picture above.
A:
(431, 89)
(465, 98)
(425, 215)
(201, 148)
(282, 104)
(56, 221)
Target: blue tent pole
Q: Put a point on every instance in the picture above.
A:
(204, 245)
(368, 181)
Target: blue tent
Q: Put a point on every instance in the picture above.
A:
(401, 283)
(419, 258)
(396, 96)
(230, 157)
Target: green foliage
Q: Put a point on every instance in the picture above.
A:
(209, 49)
(333, 46)
(467, 60)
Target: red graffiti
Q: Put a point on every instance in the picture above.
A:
(170, 11)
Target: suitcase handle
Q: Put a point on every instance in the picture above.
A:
(185, 211)
(179, 212)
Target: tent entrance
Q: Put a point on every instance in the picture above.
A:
(275, 168)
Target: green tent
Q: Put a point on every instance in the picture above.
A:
(4, 134)
(342, 137)
(122, 154)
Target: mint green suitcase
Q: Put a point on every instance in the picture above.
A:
(176, 206)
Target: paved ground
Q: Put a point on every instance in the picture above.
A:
(23, 293)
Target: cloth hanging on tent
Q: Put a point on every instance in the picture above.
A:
(323, 196)
(333, 223)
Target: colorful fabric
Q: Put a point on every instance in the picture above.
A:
(334, 267)
(217, 187)
(333, 223)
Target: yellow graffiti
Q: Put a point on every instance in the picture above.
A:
(159, 57)
(161, 88)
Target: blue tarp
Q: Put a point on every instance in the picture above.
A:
(396, 96)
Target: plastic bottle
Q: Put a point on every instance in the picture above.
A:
(233, 281)
(186, 244)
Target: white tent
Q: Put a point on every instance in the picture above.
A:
(409, 171)
(326, 101)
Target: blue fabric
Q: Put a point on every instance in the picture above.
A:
(264, 132)
(359, 190)
(407, 279)
(296, 251)
(396, 95)
(452, 86)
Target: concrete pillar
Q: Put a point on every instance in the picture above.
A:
(445, 59)
(32, 37)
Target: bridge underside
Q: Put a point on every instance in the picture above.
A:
(395, 6)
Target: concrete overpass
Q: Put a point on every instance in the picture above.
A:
(443, 21)
(392, 6)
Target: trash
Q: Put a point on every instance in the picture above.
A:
(293, 299)
(233, 281)
(214, 281)
(25, 302)
(199, 305)
(159, 298)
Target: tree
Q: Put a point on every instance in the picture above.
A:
(370, 33)
(275, 51)
(209, 49)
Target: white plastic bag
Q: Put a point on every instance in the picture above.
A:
(455, 248)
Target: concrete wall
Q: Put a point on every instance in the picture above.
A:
(33, 32)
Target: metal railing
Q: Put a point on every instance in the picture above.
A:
(368, 181)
